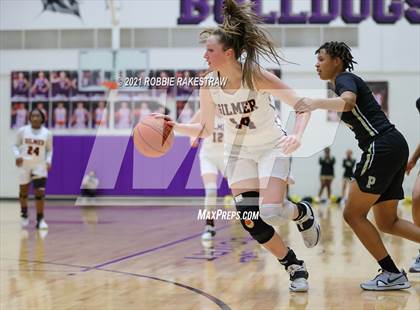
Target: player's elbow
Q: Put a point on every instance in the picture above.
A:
(349, 103)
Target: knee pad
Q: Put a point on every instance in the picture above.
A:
(210, 200)
(248, 204)
(277, 214)
(39, 197)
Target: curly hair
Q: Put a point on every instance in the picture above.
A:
(340, 50)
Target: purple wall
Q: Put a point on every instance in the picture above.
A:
(122, 170)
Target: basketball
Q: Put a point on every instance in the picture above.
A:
(153, 137)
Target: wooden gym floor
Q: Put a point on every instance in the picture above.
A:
(121, 257)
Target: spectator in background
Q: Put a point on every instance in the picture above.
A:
(348, 165)
(327, 172)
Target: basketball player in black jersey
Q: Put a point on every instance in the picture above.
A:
(380, 173)
(415, 267)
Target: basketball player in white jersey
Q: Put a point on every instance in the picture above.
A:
(123, 116)
(60, 116)
(211, 163)
(80, 116)
(33, 152)
(21, 116)
(101, 115)
(256, 147)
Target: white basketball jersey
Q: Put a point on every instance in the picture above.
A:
(33, 145)
(250, 116)
(214, 143)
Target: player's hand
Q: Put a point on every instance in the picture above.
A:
(19, 161)
(289, 144)
(410, 165)
(167, 118)
(48, 166)
(305, 105)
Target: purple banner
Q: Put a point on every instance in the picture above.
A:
(122, 171)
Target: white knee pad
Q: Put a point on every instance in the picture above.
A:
(210, 200)
(277, 214)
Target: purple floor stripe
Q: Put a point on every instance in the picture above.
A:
(148, 251)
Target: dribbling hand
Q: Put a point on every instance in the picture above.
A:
(167, 118)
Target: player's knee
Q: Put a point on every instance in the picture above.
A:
(277, 214)
(247, 206)
(39, 197)
(23, 194)
(348, 215)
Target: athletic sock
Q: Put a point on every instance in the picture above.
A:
(290, 259)
(24, 212)
(39, 217)
(388, 264)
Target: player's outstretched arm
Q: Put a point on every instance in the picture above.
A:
(346, 102)
(202, 129)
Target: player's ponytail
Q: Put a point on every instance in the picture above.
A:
(240, 31)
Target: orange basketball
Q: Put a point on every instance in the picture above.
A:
(153, 137)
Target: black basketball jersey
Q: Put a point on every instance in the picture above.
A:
(366, 120)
